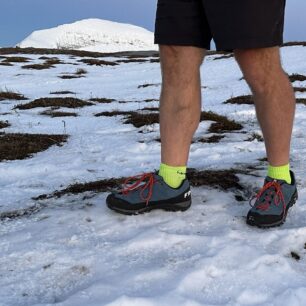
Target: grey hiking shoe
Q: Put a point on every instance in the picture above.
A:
(149, 191)
(272, 202)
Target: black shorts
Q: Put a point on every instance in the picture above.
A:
(233, 24)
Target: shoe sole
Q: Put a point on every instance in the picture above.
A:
(279, 223)
(183, 206)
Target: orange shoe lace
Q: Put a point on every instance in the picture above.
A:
(147, 177)
(277, 199)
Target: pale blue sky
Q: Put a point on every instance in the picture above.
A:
(18, 18)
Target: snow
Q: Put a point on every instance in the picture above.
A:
(77, 252)
(92, 35)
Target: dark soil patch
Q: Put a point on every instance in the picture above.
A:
(16, 59)
(70, 76)
(69, 102)
(97, 62)
(224, 56)
(155, 60)
(245, 99)
(113, 113)
(264, 159)
(80, 53)
(21, 146)
(224, 179)
(10, 95)
(222, 124)
(64, 92)
(299, 89)
(54, 114)
(147, 85)
(255, 136)
(102, 100)
(6, 64)
(4, 124)
(97, 186)
(295, 256)
(134, 60)
(38, 66)
(301, 101)
(297, 77)
(211, 139)
(150, 108)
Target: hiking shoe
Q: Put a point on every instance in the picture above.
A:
(272, 202)
(149, 191)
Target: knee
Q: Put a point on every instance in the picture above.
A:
(180, 65)
(261, 68)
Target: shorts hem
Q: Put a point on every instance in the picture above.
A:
(251, 43)
(174, 42)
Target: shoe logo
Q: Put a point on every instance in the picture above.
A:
(187, 194)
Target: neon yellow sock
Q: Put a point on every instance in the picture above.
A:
(280, 173)
(173, 176)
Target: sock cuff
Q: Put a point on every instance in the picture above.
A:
(176, 169)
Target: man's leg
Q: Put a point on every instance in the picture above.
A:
(274, 100)
(180, 108)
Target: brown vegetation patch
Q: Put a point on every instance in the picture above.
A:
(10, 95)
(70, 76)
(80, 53)
(224, 56)
(147, 85)
(38, 66)
(244, 99)
(54, 114)
(63, 92)
(6, 64)
(4, 124)
(155, 60)
(301, 101)
(97, 186)
(222, 123)
(16, 59)
(299, 89)
(20, 146)
(224, 179)
(102, 100)
(297, 77)
(133, 60)
(211, 139)
(97, 62)
(69, 102)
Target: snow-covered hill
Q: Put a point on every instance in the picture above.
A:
(92, 35)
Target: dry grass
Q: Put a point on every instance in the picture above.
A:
(63, 92)
(16, 59)
(10, 95)
(54, 114)
(102, 100)
(97, 62)
(297, 77)
(69, 102)
(20, 146)
(221, 124)
(245, 99)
